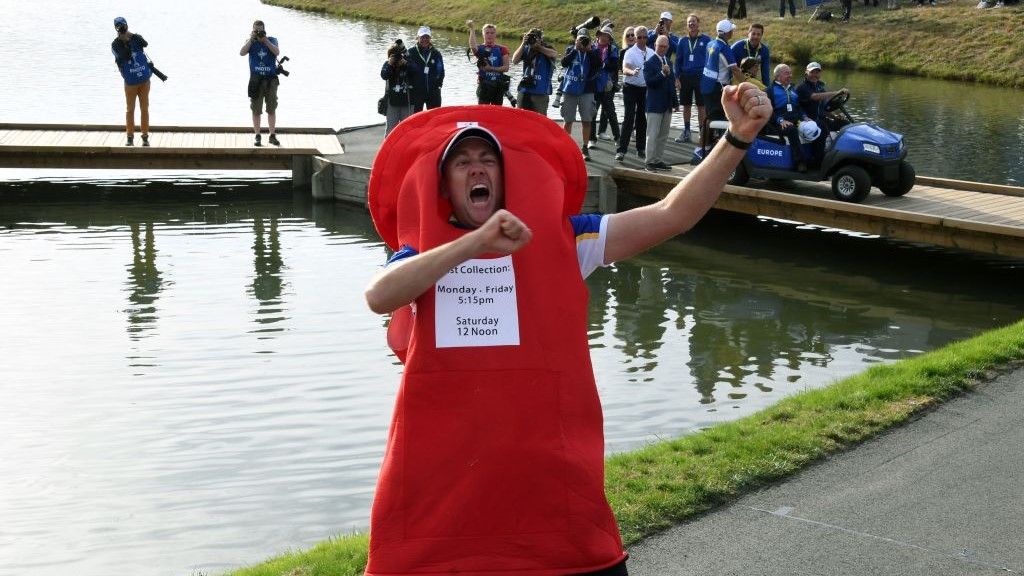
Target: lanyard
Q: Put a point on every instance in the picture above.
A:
(754, 53)
(430, 56)
(693, 45)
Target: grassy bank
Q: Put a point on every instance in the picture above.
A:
(668, 482)
(953, 40)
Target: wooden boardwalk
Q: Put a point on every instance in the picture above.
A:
(171, 147)
(974, 216)
(969, 215)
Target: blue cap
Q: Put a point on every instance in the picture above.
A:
(120, 21)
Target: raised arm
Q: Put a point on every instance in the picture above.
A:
(404, 281)
(636, 230)
(472, 37)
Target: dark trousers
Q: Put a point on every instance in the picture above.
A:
(605, 110)
(792, 8)
(634, 100)
(847, 6)
(793, 137)
(431, 100)
(737, 11)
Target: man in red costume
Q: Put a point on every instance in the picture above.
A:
(495, 458)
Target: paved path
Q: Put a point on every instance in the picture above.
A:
(943, 495)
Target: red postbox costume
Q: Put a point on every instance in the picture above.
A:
(495, 458)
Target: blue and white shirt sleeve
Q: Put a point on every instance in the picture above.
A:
(590, 231)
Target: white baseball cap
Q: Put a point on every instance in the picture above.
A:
(725, 26)
(423, 31)
(472, 130)
(809, 131)
(813, 66)
(666, 15)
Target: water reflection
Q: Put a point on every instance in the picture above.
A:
(267, 283)
(144, 281)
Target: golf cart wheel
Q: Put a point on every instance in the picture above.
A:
(740, 176)
(905, 182)
(851, 183)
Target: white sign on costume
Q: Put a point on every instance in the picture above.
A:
(475, 305)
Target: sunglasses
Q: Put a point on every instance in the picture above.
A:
(630, 35)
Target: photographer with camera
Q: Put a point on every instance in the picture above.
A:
(426, 72)
(664, 28)
(582, 64)
(395, 72)
(136, 69)
(492, 64)
(607, 86)
(262, 51)
(538, 59)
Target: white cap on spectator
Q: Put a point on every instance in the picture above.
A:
(813, 66)
(666, 15)
(423, 31)
(725, 26)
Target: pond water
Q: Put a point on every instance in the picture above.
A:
(954, 130)
(190, 380)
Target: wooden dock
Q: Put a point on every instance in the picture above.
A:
(974, 216)
(171, 147)
(968, 215)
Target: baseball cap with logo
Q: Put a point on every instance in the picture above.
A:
(470, 131)
(423, 31)
(120, 21)
(725, 26)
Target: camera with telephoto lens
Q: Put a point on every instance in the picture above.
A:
(157, 73)
(280, 66)
(260, 34)
(590, 24)
(532, 37)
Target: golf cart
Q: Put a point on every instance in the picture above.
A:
(859, 156)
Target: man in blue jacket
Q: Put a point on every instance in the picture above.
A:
(134, 67)
(426, 72)
(582, 63)
(691, 55)
(262, 51)
(662, 101)
(719, 70)
(538, 60)
(753, 47)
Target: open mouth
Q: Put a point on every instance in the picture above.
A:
(479, 194)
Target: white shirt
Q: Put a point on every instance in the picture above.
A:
(635, 58)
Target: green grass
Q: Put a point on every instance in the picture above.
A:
(953, 41)
(668, 482)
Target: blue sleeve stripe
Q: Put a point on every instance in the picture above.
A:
(403, 252)
(585, 225)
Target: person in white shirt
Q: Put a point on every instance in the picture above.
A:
(634, 96)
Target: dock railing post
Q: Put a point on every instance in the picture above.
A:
(302, 171)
